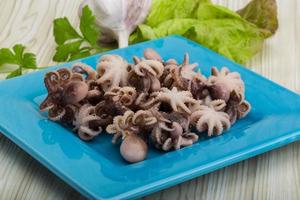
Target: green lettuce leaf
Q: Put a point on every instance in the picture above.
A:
(142, 33)
(213, 26)
(230, 37)
(262, 13)
(206, 11)
(163, 10)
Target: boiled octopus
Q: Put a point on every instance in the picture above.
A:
(151, 102)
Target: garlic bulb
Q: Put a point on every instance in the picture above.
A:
(117, 19)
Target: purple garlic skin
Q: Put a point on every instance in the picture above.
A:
(133, 149)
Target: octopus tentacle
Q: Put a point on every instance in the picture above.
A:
(82, 68)
(207, 118)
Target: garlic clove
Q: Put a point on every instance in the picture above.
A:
(117, 19)
(133, 149)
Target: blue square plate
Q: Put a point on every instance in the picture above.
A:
(96, 168)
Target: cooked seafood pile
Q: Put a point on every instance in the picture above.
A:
(151, 102)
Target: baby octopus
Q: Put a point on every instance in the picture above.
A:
(211, 120)
(86, 122)
(85, 69)
(145, 75)
(237, 107)
(95, 92)
(223, 82)
(112, 71)
(125, 95)
(185, 73)
(172, 132)
(64, 87)
(133, 148)
(185, 77)
(122, 126)
(178, 100)
(151, 101)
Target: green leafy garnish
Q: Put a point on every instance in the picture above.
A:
(163, 10)
(237, 36)
(87, 26)
(262, 13)
(16, 60)
(71, 44)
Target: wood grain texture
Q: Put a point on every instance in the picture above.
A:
(273, 175)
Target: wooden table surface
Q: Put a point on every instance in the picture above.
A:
(273, 175)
